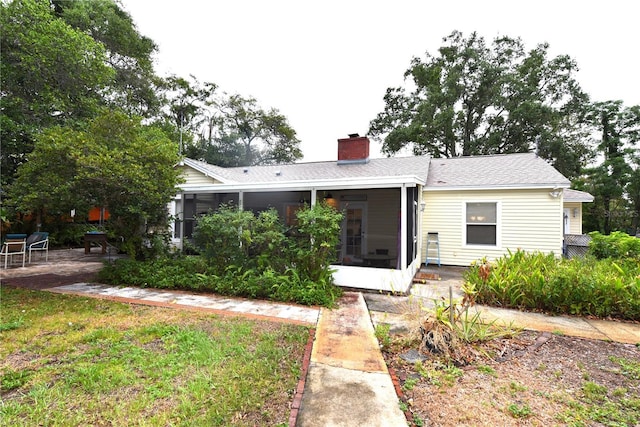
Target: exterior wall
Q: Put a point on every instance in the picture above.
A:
(575, 222)
(377, 279)
(193, 177)
(527, 219)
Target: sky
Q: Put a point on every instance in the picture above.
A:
(326, 64)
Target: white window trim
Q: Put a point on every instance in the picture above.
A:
(498, 245)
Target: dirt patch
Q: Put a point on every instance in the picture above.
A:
(49, 280)
(533, 379)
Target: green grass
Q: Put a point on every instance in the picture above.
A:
(76, 361)
(596, 404)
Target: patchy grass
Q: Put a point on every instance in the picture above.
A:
(516, 381)
(78, 361)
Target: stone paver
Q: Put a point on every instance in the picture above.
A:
(255, 308)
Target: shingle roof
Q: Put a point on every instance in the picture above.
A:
(505, 170)
(570, 195)
(376, 168)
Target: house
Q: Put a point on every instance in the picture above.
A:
(478, 206)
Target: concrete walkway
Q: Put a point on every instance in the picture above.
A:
(257, 309)
(347, 383)
(404, 313)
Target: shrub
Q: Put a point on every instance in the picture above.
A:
(535, 281)
(223, 237)
(249, 256)
(616, 245)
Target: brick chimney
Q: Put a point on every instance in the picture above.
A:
(353, 150)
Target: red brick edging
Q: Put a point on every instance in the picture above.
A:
(396, 385)
(297, 397)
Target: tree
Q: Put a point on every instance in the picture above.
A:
(613, 181)
(186, 102)
(240, 133)
(475, 99)
(61, 61)
(128, 52)
(633, 191)
(116, 163)
(50, 74)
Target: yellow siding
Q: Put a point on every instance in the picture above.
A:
(527, 219)
(575, 223)
(193, 177)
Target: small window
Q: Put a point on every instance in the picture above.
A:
(482, 224)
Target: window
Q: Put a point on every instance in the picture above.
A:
(482, 223)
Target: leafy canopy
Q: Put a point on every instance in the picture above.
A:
(60, 63)
(50, 74)
(227, 130)
(614, 182)
(241, 133)
(473, 98)
(116, 163)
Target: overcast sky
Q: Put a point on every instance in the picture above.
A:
(327, 64)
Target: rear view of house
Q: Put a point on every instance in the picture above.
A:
(473, 207)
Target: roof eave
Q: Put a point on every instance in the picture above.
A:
(329, 184)
(557, 185)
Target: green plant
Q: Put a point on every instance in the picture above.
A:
(487, 370)
(410, 383)
(515, 387)
(12, 380)
(382, 334)
(535, 281)
(519, 411)
(617, 245)
(14, 324)
(630, 368)
(450, 322)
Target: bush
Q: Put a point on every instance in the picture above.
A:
(249, 256)
(616, 245)
(535, 281)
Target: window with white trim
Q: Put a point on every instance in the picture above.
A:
(482, 223)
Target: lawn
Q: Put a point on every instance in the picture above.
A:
(79, 361)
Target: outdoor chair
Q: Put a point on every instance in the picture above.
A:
(38, 241)
(15, 244)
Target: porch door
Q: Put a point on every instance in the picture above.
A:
(354, 241)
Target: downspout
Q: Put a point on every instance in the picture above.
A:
(403, 227)
(181, 216)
